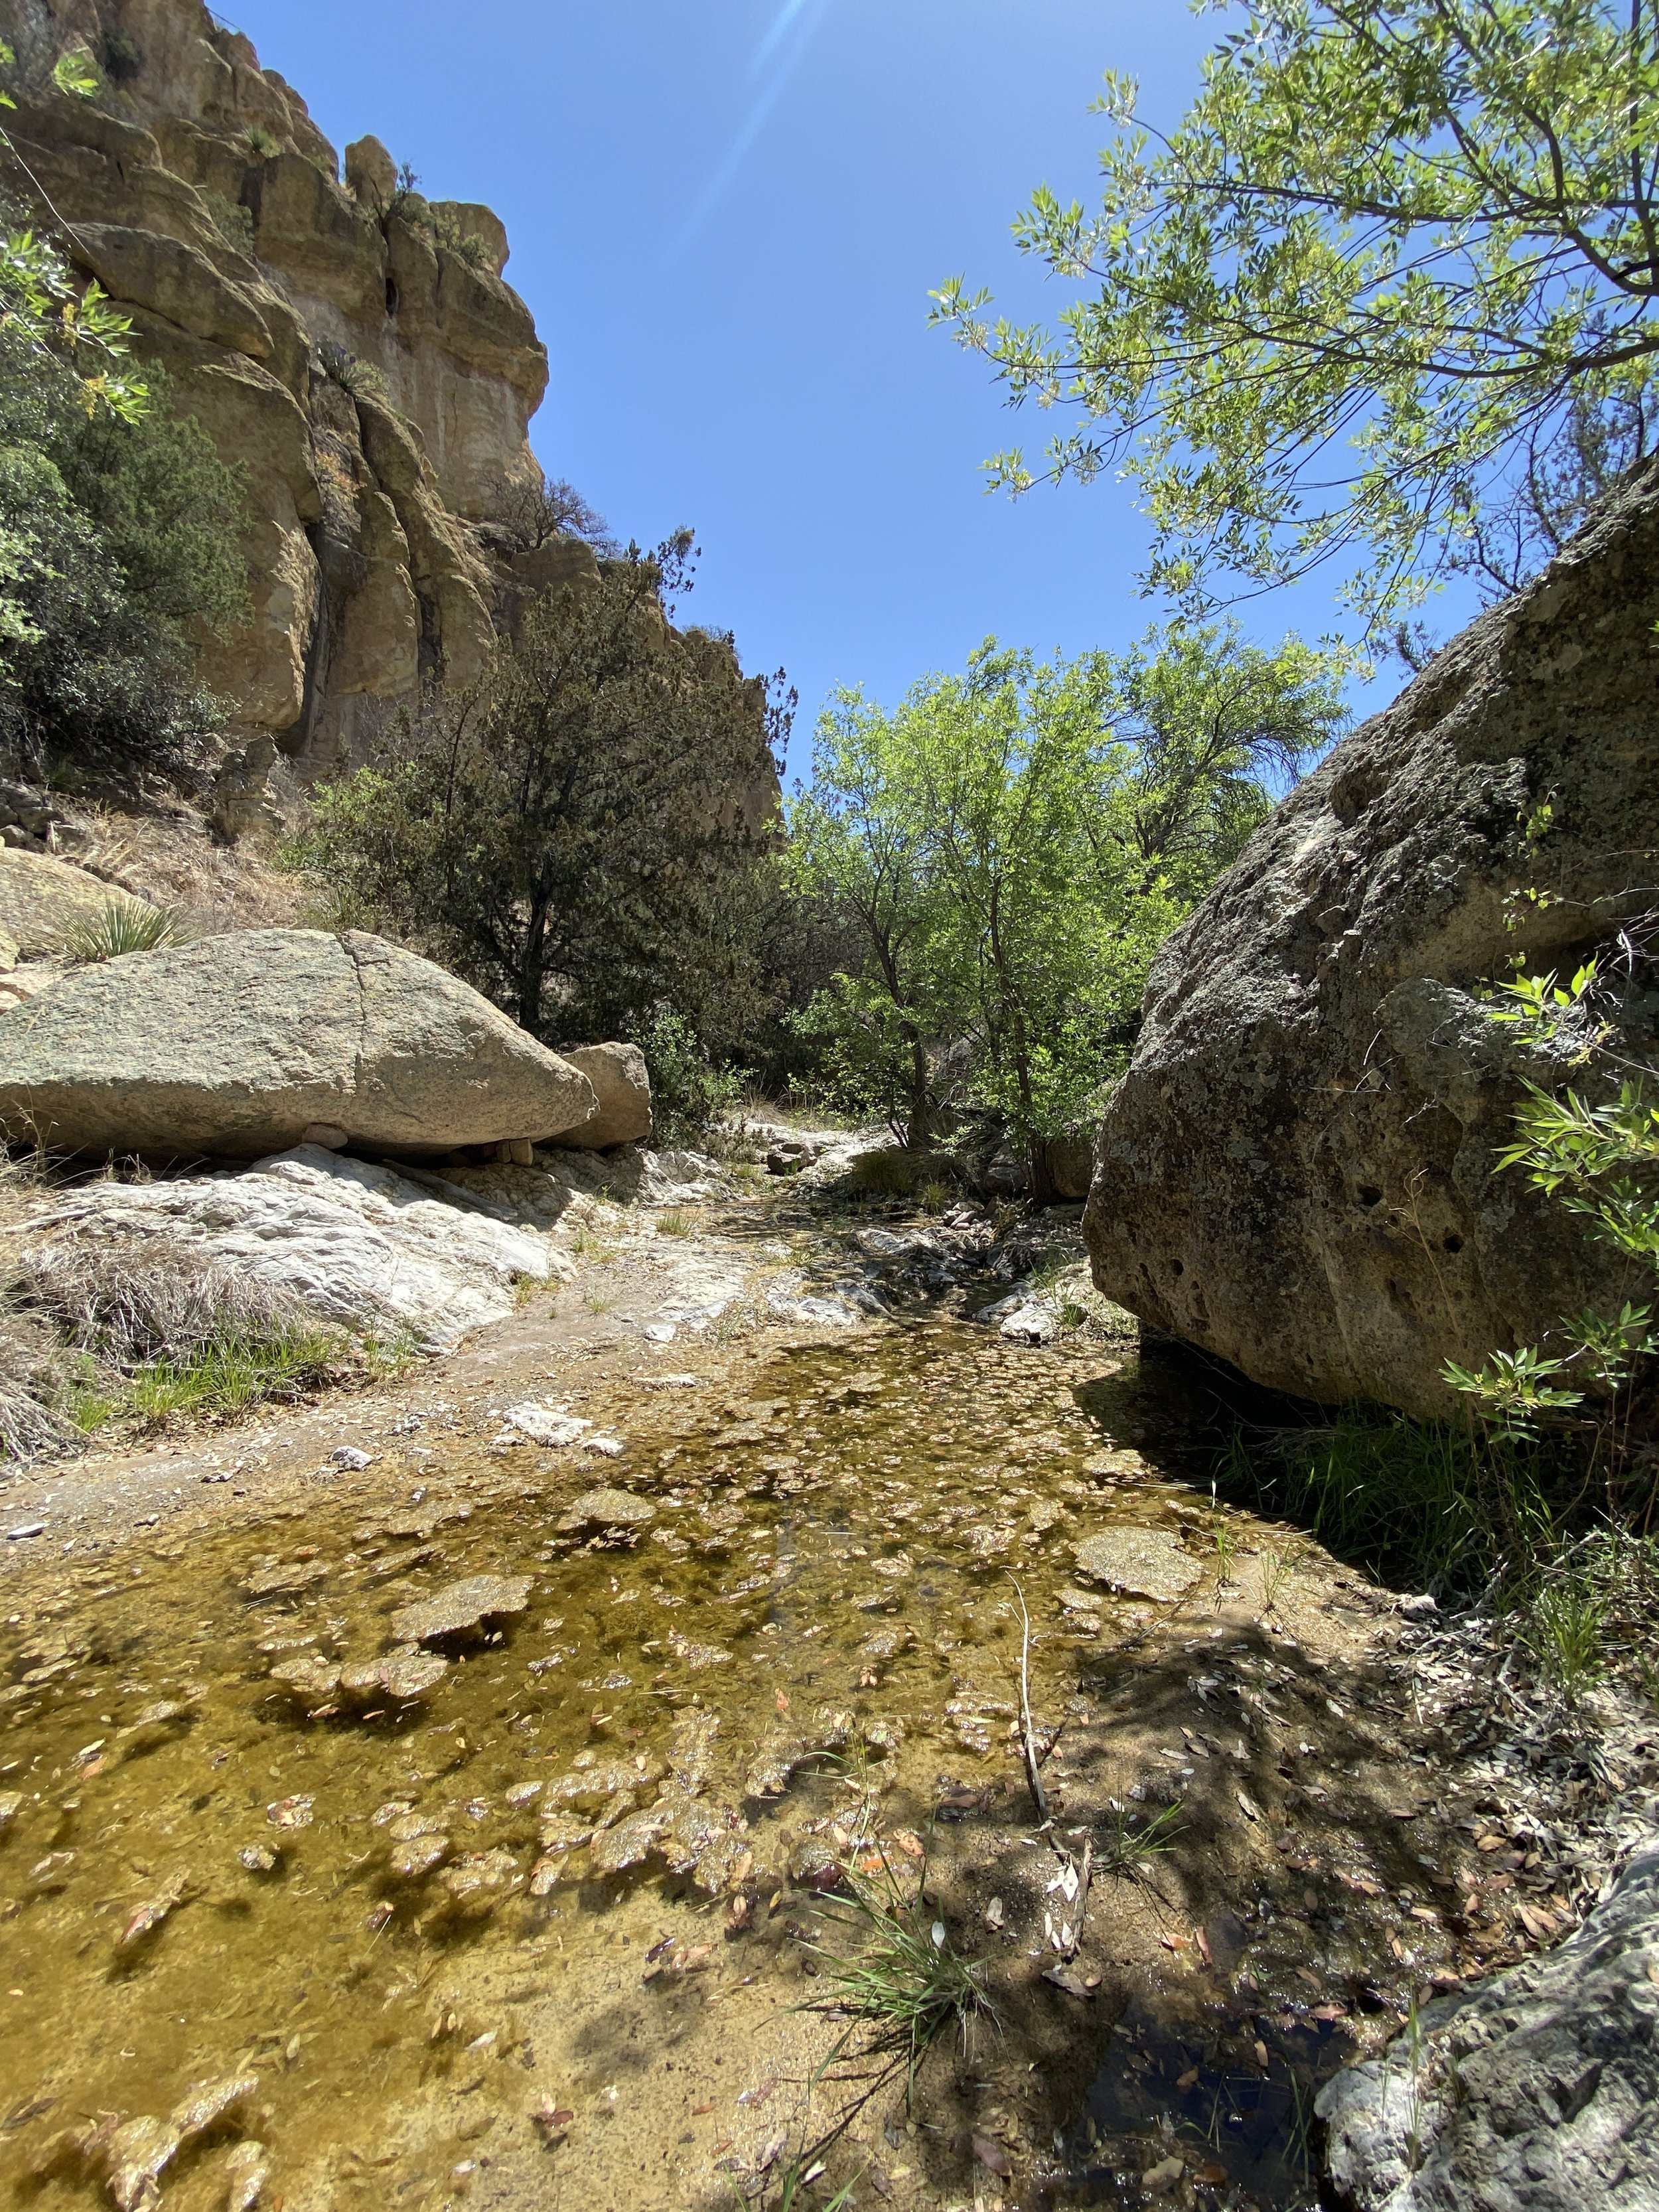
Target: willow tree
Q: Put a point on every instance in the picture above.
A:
(1384, 298)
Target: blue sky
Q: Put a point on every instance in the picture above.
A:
(727, 218)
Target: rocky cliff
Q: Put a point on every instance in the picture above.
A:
(354, 346)
(1296, 1171)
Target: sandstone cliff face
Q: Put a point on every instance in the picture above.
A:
(1296, 1171)
(199, 193)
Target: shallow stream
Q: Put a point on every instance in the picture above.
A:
(376, 1925)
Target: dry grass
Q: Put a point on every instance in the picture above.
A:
(146, 1329)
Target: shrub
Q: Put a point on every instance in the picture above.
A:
(689, 1094)
(119, 532)
(261, 142)
(233, 222)
(360, 378)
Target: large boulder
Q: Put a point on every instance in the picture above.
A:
(1296, 1171)
(239, 1044)
(623, 1087)
(362, 1246)
(1538, 2092)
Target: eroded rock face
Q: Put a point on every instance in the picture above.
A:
(1296, 1171)
(1540, 2089)
(237, 1045)
(204, 199)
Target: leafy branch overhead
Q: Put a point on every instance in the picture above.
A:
(1395, 272)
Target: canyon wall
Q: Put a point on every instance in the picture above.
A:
(354, 346)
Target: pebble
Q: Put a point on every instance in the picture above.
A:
(25, 1530)
(349, 1455)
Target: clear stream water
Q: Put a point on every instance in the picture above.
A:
(212, 1876)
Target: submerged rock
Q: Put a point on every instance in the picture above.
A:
(1141, 1562)
(465, 1608)
(607, 1509)
(1538, 2090)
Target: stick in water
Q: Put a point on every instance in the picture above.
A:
(1028, 1740)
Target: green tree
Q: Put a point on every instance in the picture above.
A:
(568, 833)
(1014, 844)
(1399, 256)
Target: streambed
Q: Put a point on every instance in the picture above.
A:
(526, 1916)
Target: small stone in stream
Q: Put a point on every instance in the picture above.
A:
(564, 1833)
(887, 1643)
(607, 1446)
(145, 1918)
(11, 1804)
(481, 1879)
(258, 1858)
(546, 1425)
(292, 1812)
(309, 1674)
(404, 1674)
(607, 1509)
(246, 2171)
(462, 1610)
(1163, 2176)
(282, 1579)
(994, 1914)
(24, 1530)
(1143, 1562)
(1080, 1600)
(695, 1655)
(522, 1794)
(351, 1457)
(588, 1788)
(417, 1855)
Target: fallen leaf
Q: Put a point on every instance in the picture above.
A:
(1251, 1811)
(993, 2155)
(780, 1699)
(697, 2110)
(1177, 1942)
(909, 1843)
(1203, 1943)
(760, 2093)
(1186, 2079)
(1211, 2176)
(1165, 2175)
(1426, 1912)
(1073, 1985)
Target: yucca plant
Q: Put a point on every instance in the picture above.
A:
(126, 925)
